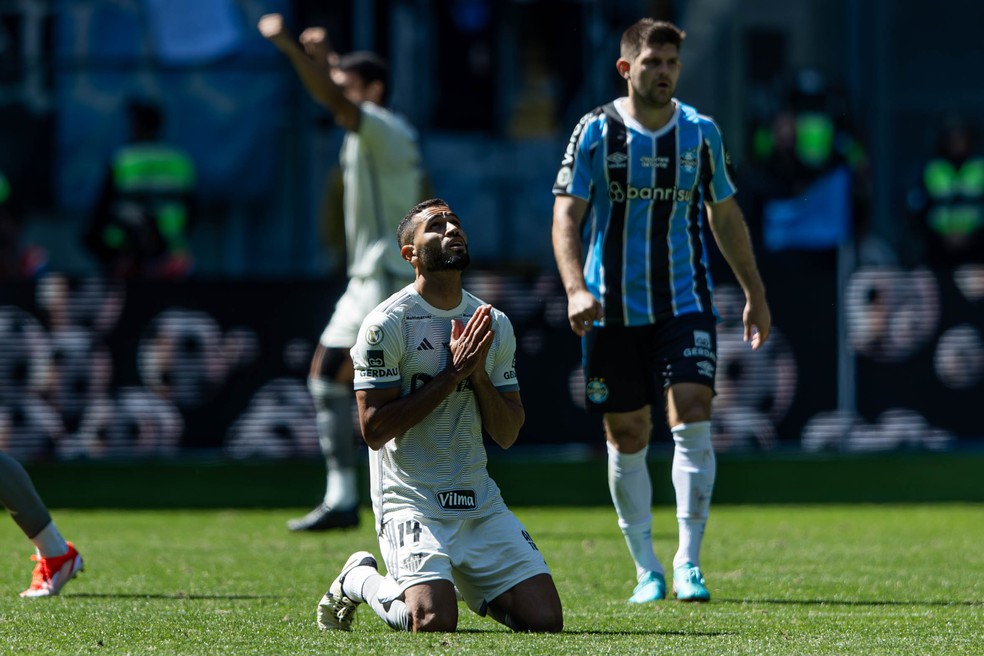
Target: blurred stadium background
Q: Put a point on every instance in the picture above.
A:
(874, 352)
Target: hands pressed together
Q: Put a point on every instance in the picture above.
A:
(470, 343)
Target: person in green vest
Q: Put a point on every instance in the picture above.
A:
(947, 204)
(812, 126)
(139, 227)
(808, 181)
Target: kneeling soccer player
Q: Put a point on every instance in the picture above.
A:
(435, 367)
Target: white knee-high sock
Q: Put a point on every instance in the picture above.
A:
(632, 494)
(333, 402)
(693, 473)
(362, 585)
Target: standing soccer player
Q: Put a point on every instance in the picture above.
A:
(628, 230)
(435, 369)
(382, 176)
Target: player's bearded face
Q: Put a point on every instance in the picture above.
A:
(443, 245)
(654, 74)
(435, 257)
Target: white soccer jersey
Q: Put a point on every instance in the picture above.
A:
(438, 467)
(382, 174)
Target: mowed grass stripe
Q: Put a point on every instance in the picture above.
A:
(845, 579)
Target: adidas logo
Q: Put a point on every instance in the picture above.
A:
(425, 345)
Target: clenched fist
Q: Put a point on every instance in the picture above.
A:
(271, 26)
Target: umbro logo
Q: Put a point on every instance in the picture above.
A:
(617, 160)
(706, 368)
(425, 345)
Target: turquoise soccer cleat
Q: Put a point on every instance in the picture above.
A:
(651, 588)
(688, 583)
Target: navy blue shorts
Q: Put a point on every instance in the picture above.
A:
(626, 368)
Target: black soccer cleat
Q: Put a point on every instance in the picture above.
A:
(325, 518)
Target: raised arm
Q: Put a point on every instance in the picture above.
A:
(318, 48)
(316, 77)
(731, 234)
(582, 307)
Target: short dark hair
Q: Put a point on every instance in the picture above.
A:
(367, 65)
(404, 234)
(649, 32)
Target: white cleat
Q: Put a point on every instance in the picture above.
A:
(336, 612)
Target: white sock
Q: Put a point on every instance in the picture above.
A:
(362, 585)
(333, 402)
(49, 542)
(356, 579)
(342, 491)
(693, 473)
(632, 494)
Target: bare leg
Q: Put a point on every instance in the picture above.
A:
(532, 605)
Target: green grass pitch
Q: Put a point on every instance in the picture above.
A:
(793, 579)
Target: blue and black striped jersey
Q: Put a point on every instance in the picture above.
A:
(643, 233)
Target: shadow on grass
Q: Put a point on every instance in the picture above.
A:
(604, 632)
(160, 595)
(849, 602)
(663, 632)
(581, 536)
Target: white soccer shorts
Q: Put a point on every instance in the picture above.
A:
(483, 557)
(361, 297)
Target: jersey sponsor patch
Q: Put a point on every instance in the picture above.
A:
(564, 176)
(382, 372)
(661, 162)
(701, 349)
(374, 334)
(457, 499)
(618, 194)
